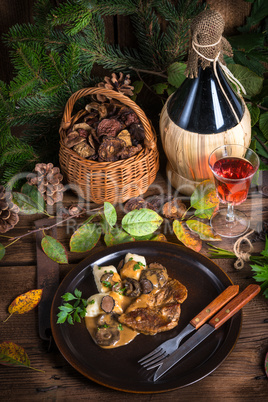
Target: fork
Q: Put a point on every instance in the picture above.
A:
(169, 346)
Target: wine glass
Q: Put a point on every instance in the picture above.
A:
(233, 167)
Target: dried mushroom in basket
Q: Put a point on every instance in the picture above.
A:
(109, 149)
(107, 131)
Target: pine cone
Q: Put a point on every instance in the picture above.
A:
(47, 179)
(8, 211)
(120, 84)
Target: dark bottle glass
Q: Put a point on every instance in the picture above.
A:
(200, 106)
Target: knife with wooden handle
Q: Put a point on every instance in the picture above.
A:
(207, 329)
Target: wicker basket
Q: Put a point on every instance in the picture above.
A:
(114, 182)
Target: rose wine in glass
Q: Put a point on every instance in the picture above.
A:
(233, 167)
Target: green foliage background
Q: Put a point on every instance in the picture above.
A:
(57, 54)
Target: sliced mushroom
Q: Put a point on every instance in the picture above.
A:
(84, 126)
(107, 333)
(92, 106)
(84, 150)
(156, 273)
(146, 286)
(132, 287)
(107, 336)
(107, 304)
(110, 279)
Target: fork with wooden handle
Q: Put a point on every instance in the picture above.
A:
(171, 345)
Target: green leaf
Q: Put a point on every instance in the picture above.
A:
(250, 81)
(141, 222)
(110, 213)
(204, 231)
(68, 296)
(54, 250)
(2, 251)
(247, 41)
(117, 236)
(138, 85)
(265, 251)
(26, 204)
(85, 238)
(62, 316)
(266, 364)
(176, 74)
(186, 237)
(254, 113)
(78, 293)
(263, 124)
(258, 13)
(204, 196)
(160, 88)
(35, 195)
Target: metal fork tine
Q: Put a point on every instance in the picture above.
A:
(155, 361)
(154, 365)
(155, 351)
(153, 358)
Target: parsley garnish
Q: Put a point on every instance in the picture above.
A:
(120, 327)
(107, 284)
(138, 266)
(72, 312)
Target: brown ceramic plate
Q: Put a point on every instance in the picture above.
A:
(118, 368)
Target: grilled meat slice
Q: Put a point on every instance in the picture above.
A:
(157, 311)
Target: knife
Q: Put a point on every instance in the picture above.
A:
(207, 329)
(172, 344)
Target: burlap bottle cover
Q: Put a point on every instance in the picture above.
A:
(208, 46)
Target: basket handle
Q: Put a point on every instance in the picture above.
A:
(149, 141)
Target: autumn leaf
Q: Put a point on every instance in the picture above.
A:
(141, 222)
(204, 196)
(25, 302)
(116, 236)
(14, 355)
(54, 250)
(207, 213)
(85, 238)
(204, 231)
(159, 237)
(185, 236)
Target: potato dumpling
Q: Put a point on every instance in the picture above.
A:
(98, 272)
(136, 257)
(132, 269)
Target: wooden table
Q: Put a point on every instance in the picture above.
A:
(240, 377)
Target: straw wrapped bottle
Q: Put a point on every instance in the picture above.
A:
(204, 112)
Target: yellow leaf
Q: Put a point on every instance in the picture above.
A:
(25, 302)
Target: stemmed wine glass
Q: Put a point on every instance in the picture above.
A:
(233, 167)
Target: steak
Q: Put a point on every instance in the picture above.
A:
(157, 311)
